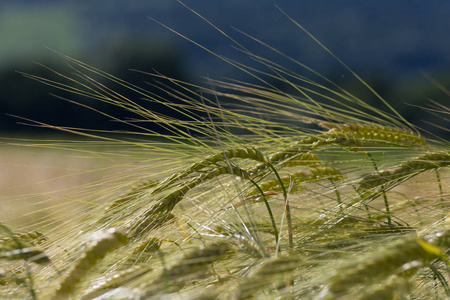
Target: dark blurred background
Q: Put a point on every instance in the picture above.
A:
(396, 46)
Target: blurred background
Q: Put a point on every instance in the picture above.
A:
(401, 48)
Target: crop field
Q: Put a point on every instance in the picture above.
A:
(256, 193)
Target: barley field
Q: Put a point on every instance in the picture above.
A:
(256, 194)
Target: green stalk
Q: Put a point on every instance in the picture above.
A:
(272, 219)
(383, 191)
(287, 207)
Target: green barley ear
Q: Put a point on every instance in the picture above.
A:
(105, 242)
(17, 250)
(158, 213)
(408, 169)
(394, 287)
(32, 237)
(32, 254)
(374, 134)
(193, 265)
(24, 246)
(352, 136)
(292, 156)
(115, 280)
(297, 178)
(269, 276)
(128, 197)
(169, 202)
(390, 260)
(211, 161)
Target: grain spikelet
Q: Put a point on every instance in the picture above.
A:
(352, 136)
(310, 175)
(32, 237)
(21, 246)
(169, 202)
(374, 134)
(248, 245)
(191, 266)
(292, 156)
(388, 261)
(32, 254)
(161, 209)
(428, 161)
(115, 280)
(129, 196)
(211, 161)
(145, 248)
(269, 275)
(395, 287)
(97, 250)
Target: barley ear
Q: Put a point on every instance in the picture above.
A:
(192, 265)
(211, 161)
(373, 134)
(97, 250)
(158, 213)
(408, 169)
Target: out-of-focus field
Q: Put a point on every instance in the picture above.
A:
(36, 183)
